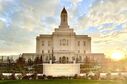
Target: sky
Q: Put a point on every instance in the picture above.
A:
(22, 20)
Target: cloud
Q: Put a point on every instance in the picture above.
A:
(107, 21)
(21, 21)
(31, 13)
(108, 12)
(2, 24)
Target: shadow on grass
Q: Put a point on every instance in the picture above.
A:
(63, 81)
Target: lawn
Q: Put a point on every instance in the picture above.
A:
(63, 81)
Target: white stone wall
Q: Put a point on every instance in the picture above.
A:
(70, 50)
(61, 69)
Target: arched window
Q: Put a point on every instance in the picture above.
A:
(64, 42)
(42, 43)
(64, 60)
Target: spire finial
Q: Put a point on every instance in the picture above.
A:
(64, 10)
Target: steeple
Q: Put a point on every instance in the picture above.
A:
(64, 19)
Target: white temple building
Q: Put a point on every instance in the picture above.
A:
(64, 44)
(62, 51)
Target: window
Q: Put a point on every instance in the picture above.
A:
(84, 43)
(78, 43)
(42, 51)
(63, 42)
(42, 43)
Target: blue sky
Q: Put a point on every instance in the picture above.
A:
(22, 20)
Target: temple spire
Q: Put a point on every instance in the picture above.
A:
(64, 19)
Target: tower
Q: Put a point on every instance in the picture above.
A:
(64, 19)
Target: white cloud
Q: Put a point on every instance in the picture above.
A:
(75, 2)
(25, 24)
(107, 38)
(108, 12)
(29, 17)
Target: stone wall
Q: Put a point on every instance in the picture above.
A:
(61, 69)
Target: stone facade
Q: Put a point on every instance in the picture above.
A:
(63, 45)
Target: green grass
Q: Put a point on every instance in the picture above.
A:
(63, 81)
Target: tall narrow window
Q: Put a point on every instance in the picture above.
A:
(42, 43)
(42, 51)
(64, 42)
(84, 43)
(78, 43)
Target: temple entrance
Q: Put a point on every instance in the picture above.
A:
(63, 59)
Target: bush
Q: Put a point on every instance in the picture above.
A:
(49, 77)
(1, 76)
(12, 77)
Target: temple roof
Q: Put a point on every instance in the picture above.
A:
(64, 10)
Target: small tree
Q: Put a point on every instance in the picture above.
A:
(41, 60)
(20, 62)
(37, 61)
(30, 62)
(53, 59)
(8, 64)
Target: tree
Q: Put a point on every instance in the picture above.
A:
(60, 60)
(53, 59)
(20, 62)
(87, 66)
(37, 60)
(41, 60)
(64, 59)
(30, 62)
(38, 68)
(8, 64)
(47, 59)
